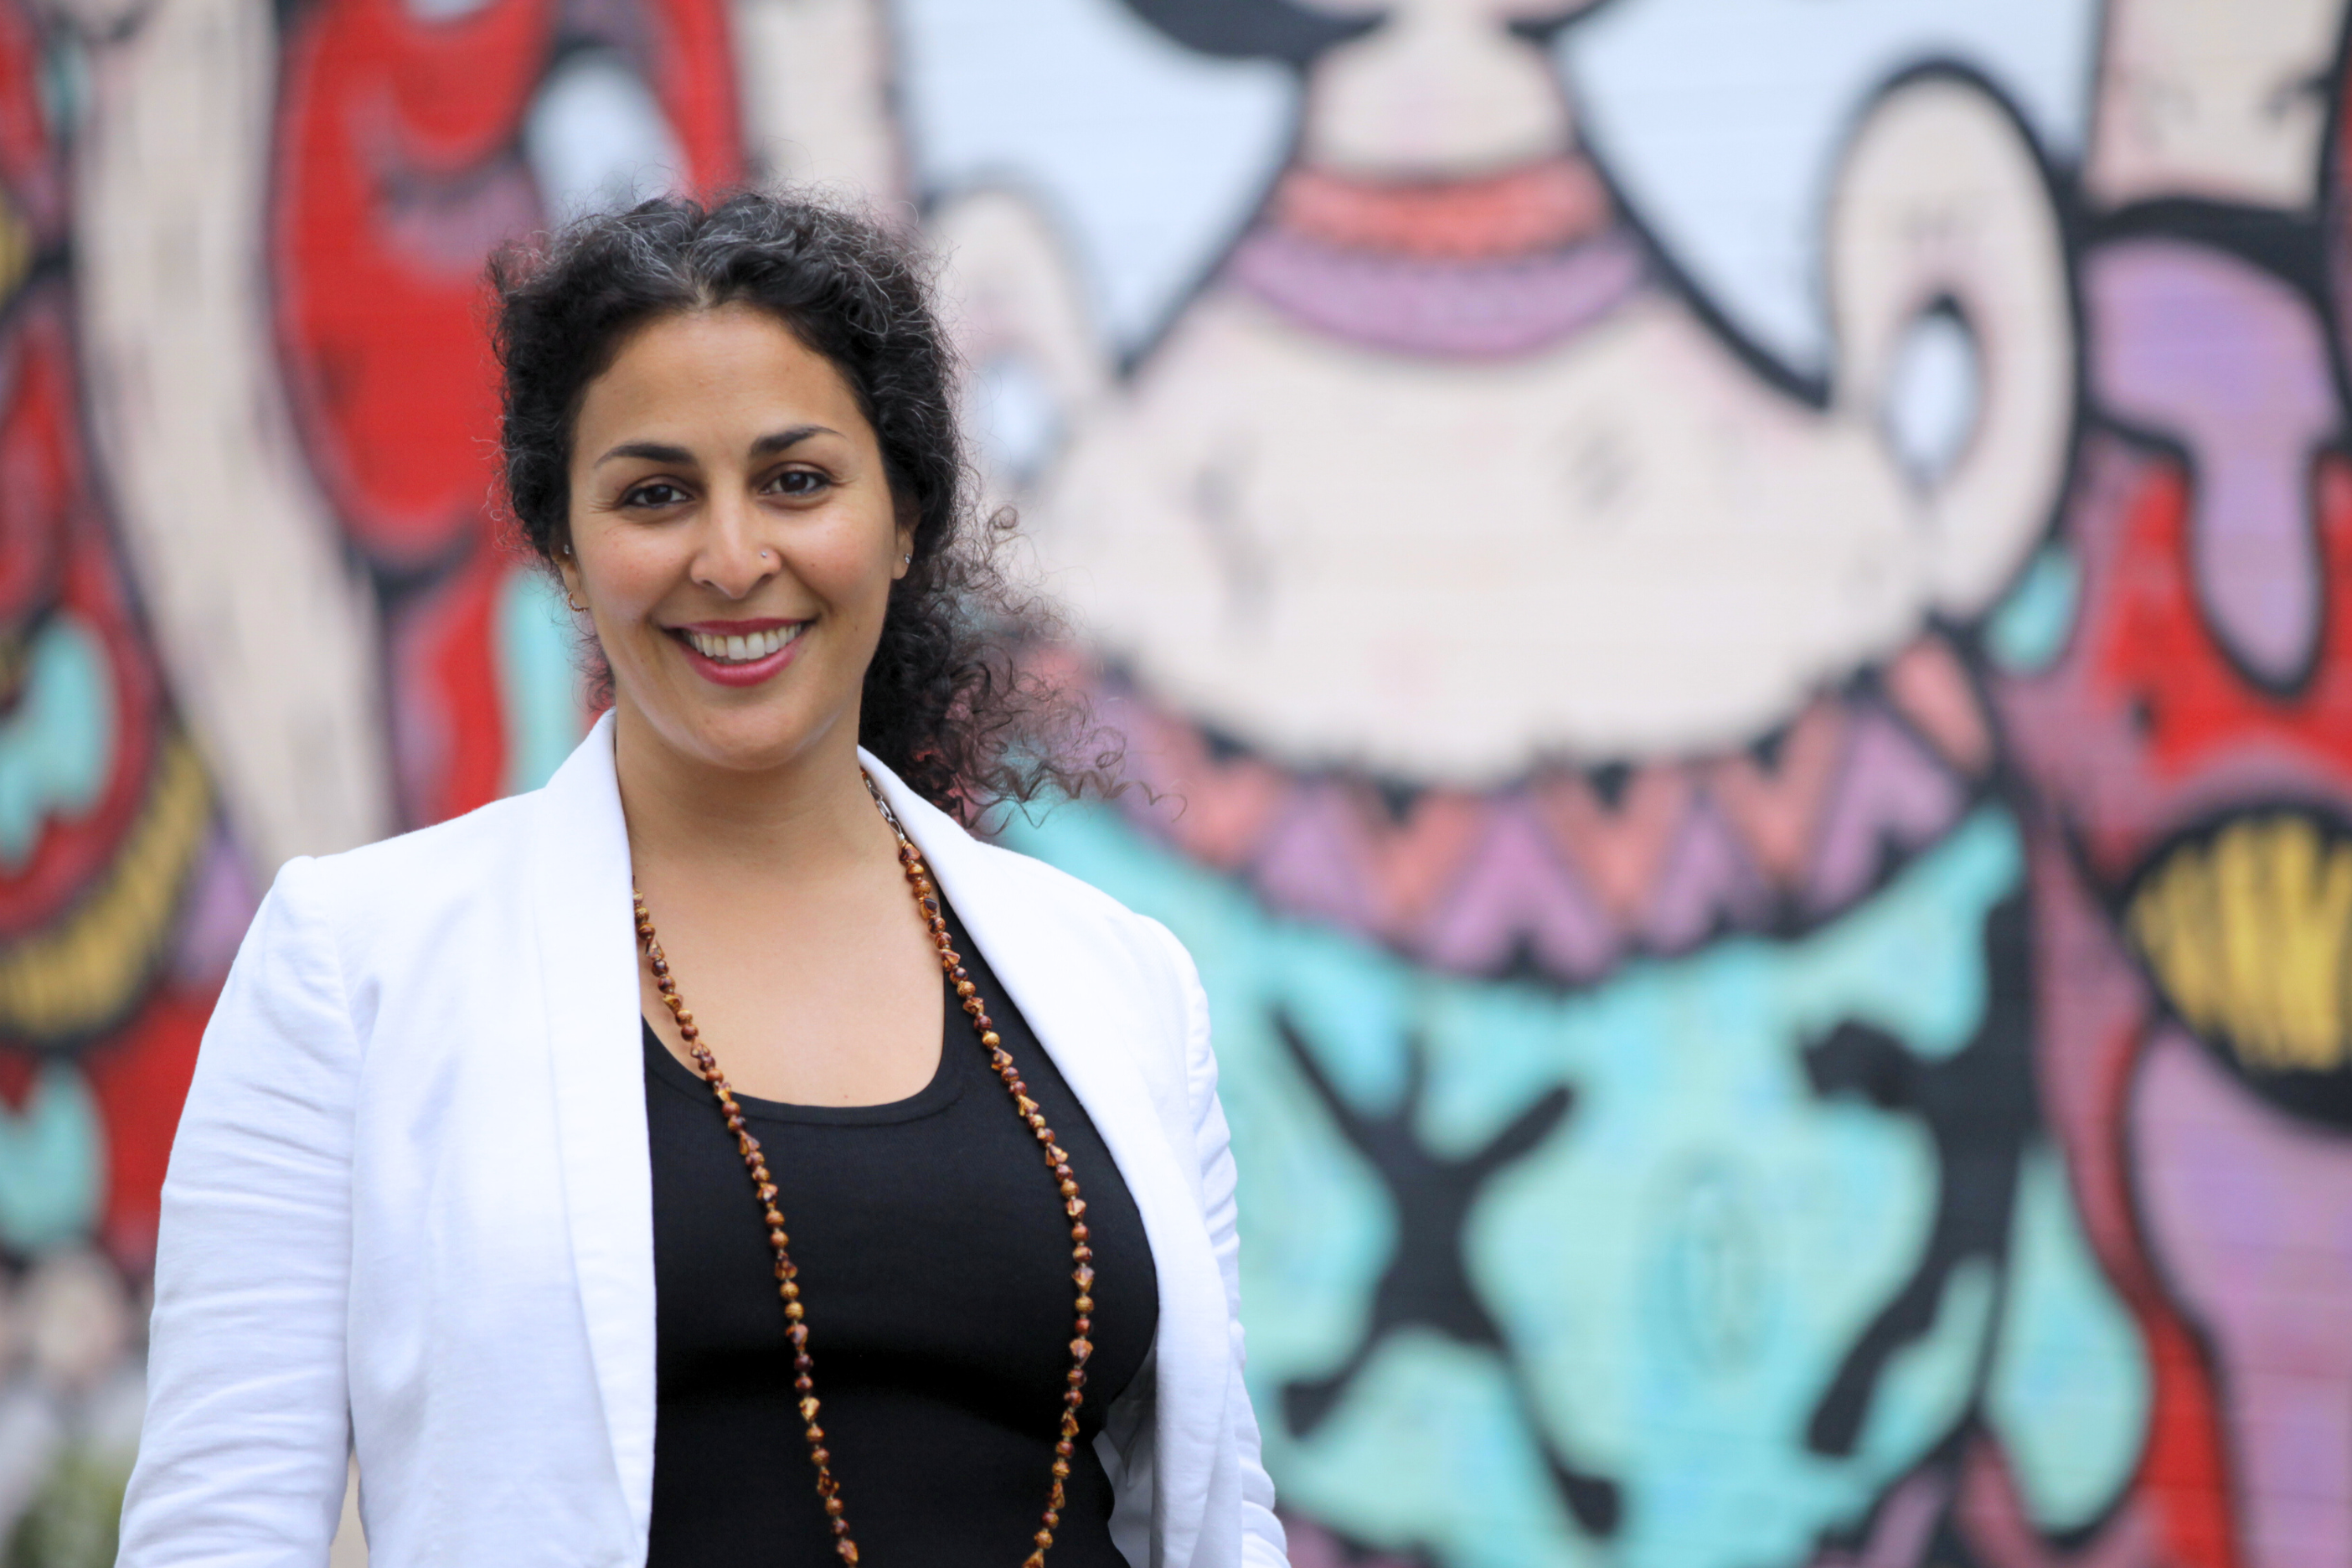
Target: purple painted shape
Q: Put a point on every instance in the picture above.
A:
(1307, 865)
(1514, 891)
(220, 902)
(1889, 788)
(1450, 309)
(1707, 876)
(1312, 1546)
(2249, 1214)
(2223, 356)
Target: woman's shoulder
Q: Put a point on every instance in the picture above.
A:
(1082, 905)
(416, 878)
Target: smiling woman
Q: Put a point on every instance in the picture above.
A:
(460, 1068)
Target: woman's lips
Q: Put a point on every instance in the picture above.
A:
(742, 672)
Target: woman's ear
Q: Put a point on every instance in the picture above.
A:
(567, 566)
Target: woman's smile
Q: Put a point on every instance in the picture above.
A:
(739, 653)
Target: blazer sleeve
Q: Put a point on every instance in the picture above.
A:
(243, 1454)
(1263, 1544)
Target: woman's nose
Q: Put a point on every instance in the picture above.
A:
(733, 560)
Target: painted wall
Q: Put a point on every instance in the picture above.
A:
(1738, 609)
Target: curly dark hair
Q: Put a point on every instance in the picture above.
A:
(947, 704)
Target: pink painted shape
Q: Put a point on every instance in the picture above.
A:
(1517, 892)
(1778, 812)
(2250, 1213)
(1992, 1517)
(1620, 850)
(1217, 811)
(1445, 309)
(1929, 687)
(2090, 1007)
(1414, 861)
(1890, 792)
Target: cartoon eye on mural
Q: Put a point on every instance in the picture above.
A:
(1734, 612)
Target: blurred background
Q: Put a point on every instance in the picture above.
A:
(1743, 609)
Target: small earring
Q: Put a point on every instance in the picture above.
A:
(577, 607)
(907, 559)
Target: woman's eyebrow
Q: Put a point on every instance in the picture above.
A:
(651, 451)
(784, 440)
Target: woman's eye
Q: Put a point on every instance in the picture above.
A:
(798, 482)
(660, 493)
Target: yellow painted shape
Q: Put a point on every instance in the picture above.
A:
(2249, 935)
(81, 972)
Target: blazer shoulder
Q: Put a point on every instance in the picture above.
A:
(1150, 946)
(423, 873)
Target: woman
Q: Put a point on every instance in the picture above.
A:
(718, 1156)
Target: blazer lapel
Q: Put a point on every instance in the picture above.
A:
(1087, 1023)
(588, 968)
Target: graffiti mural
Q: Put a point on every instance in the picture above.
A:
(1729, 612)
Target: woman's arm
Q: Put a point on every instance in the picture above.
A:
(244, 1452)
(1262, 1544)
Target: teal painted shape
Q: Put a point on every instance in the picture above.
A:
(1439, 1426)
(58, 747)
(538, 683)
(52, 1163)
(2027, 630)
(1676, 1274)
(2070, 1392)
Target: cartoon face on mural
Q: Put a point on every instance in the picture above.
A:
(1438, 477)
(2178, 698)
(1496, 611)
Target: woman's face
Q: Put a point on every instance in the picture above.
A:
(733, 538)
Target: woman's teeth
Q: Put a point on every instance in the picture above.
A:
(743, 649)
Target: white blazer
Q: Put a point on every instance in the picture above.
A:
(410, 1205)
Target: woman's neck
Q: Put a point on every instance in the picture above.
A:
(802, 819)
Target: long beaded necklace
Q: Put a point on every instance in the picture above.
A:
(927, 899)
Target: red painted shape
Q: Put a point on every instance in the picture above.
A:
(55, 553)
(140, 1080)
(399, 168)
(396, 135)
(2185, 1470)
(451, 723)
(2156, 647)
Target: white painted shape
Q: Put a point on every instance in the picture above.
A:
(1933, 392)
(443, 10)
(816, 82)
(595, 136)
(238, 556)
(1019, 418)
(1148, 156)
(1721, 124)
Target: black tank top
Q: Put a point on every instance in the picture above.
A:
(934, 1262)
